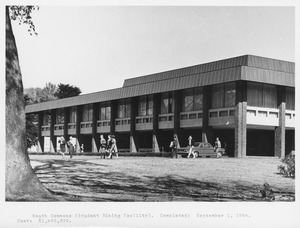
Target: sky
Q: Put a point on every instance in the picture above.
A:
(97, 47)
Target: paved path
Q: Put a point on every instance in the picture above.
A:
(89, 178)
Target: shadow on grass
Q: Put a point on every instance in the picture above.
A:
(83, 181)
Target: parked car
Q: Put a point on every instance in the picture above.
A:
(201, 149)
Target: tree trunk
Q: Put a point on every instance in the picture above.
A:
(21, 183)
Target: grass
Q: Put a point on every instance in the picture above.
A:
(89, 178)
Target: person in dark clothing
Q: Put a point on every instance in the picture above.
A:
(174, 146)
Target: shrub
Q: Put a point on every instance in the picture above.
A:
(288, 166)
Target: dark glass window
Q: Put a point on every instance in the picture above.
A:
(60, 116)
(47, 118)
(105, 110)
(166, 103)
(223, 95)
(87, 113)
(124, 108)
(290, 98)
(145, 105)
(261, 95)
(73, 113)
(192, 99)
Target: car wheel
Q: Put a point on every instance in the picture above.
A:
(196, 154)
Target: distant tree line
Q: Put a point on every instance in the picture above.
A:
(38, 95)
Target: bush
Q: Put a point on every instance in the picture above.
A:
(288, 166)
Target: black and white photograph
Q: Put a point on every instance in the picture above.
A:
(149, 114)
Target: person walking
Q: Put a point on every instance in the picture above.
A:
(62, 146)
(112, 145)
(103, 147)
(174, 146)
(218, 147)
(71, 146)
(191, 145)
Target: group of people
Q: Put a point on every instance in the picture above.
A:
(174, 146)
(109, 147)
(69, 145)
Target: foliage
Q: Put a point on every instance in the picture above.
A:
(288, 166)
(66, 90)
(47, 93)
(23, 15)
(31, 125)
(267, 192)
(39, 95)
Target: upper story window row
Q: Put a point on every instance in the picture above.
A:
(222, 96)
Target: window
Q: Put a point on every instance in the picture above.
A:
(60, 116)
(73, 114)
(192, 99)
(229, 94)
(105, 111)
(166, 103)
(87, 113)
(290, 98)
(145, 106)
(223, 95)
(261, 95)
(124, 108)
(47, 118)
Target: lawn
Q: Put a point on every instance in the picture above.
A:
(89, 178)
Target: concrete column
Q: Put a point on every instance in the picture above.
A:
(113, 115)
(52, 137)
(40, 142)
(66, 121)
(78, 122)
(206, 129)
(177, 110)
(240, 130)
(133, 133)
(155, 136)
(95, 136)
(280, 130)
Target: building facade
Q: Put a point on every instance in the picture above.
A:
(246, 101)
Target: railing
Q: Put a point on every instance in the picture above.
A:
(191, 119)
(123, 121)
(290, 118)
(103, 126)
(72, 128)
(86, 127)
(46, 128)
(144, 122)
(262, 116)
(222, 116)
(58, 129)
(166, 121)
(71, 125)
(123, 124)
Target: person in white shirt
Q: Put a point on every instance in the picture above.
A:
(191, 145)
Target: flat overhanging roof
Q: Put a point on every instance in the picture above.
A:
(247, 67)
